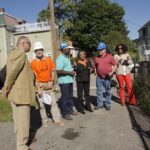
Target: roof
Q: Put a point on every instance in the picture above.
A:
(146, 24)
(9, 21)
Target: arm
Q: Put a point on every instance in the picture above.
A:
(130, 62)
(38, 88)
(114, 66)
(61, 71)
(14, 65)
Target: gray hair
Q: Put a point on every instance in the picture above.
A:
(21, 38)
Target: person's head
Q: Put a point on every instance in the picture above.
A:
(65, 48)
(121, 48)
(38, 49)
(102, 48)
(82, 55)
(24, 43)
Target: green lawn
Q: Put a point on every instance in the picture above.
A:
(5, 110)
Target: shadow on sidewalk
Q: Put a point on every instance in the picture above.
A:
(93, 101)
(116, 99)
(137, 127)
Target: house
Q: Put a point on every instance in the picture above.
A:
(143, 42)
(11, 28)
(7, 28)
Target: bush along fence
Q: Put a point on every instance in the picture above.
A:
(142, 86)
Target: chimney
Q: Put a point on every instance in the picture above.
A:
(2, 10)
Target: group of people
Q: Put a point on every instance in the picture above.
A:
(22, 77)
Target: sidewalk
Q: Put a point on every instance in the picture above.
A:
(100, 130)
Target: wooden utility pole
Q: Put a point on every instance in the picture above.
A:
(53, 29)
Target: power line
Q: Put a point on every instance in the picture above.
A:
(135, 24)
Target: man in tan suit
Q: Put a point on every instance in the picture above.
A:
(19, 88)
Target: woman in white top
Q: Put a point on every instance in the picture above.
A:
(123, 74)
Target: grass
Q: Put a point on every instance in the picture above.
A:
(5, 110)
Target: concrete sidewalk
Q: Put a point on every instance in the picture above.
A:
(100, 130)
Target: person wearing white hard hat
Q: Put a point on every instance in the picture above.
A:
(44, 68)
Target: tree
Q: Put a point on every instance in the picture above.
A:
(65, 13)
(114, 38)
(86, 22)
(95, 19)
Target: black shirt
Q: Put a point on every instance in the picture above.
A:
(83, 72)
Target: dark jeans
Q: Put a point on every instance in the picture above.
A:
(83, 87)
(66, 100)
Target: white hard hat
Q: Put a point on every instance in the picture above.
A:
(38, 45)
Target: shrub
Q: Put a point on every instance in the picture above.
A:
(141, 88)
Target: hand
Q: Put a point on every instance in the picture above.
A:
(110, 74)
(90, 69)
(120, 61)
(4, 93)
(125, 63)
(72, 73)
(40, 93)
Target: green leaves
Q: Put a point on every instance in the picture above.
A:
(95, 20)
(86, 22)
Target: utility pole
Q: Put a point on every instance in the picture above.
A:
(53, 29)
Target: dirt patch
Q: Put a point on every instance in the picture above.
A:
(70, 134)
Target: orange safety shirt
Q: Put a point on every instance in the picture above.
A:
(43, 69)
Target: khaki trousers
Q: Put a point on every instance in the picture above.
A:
(21, 117)
(54, 108)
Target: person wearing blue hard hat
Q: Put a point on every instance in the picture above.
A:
(65, 45)
(65, 79)
(105, 66)
(101, 46)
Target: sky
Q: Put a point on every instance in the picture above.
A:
(137, 12)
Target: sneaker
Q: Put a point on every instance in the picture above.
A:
(108, 108)
(45, 124)
(74, 113)
(67, 117)
(98, 107)
(59, 123)
(122, 104)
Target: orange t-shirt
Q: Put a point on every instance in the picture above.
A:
(43, 69)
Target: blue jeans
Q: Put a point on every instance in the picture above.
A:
(106, 84)
(66, 100)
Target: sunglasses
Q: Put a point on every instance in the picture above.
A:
(120, 48)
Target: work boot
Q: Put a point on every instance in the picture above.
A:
(59, 123)
(45, 124)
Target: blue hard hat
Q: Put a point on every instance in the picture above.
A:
(101, 46)
(63, 45)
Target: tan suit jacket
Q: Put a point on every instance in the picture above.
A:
(20, 78)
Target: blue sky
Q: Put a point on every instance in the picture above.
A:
(137, 11)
